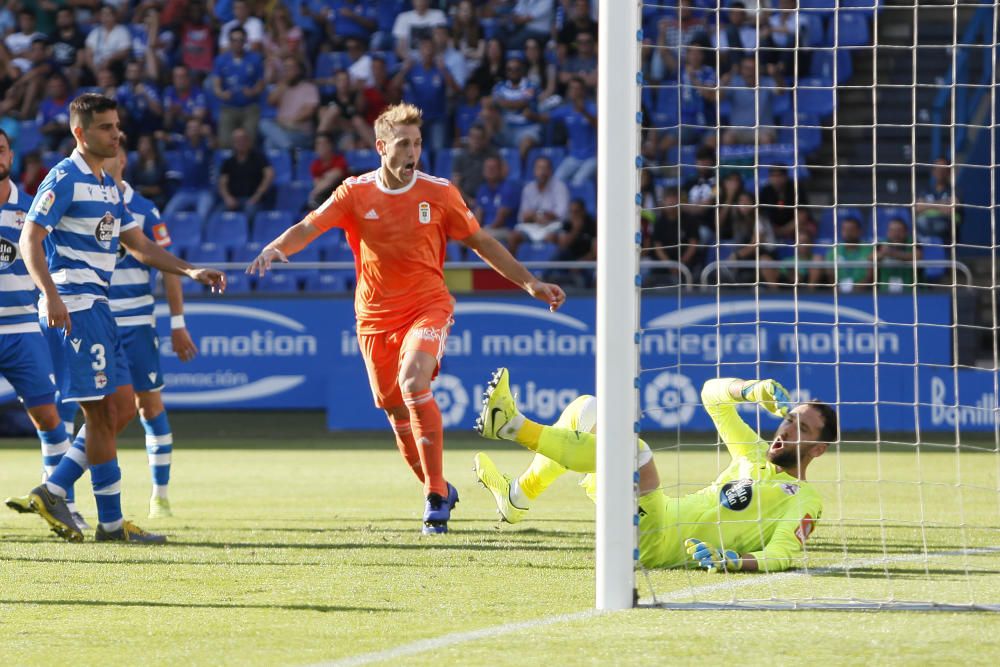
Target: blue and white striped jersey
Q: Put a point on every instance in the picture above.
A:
(84, 217)
(131, 290)
(17, 290)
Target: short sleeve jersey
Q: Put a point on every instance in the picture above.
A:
(131, 292)
(84, 216)
(17, 290)
(398, 238)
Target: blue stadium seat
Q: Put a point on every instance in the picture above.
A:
(850, 29)
(818, 4)
(363, 160)
(281, 161)
(808, 131)
(813, 29)
(185, 228)
(30, 137)
(815, 96)
(328, 64)
(278, 281)
(193, 288)
(268, 225)
(513, 159)
(326, 281)
(340, 253)
(238, 282)
(883, 214)
(208, 253)
(537, 252)
(445, 158)
(303, 159)
(246, 253)
(292, 197)
(588, 193)
(329, 238)
(666, 110)
(826, 225)
(822, 65)
(228, 228)
(454, 252)
(936, 252)
(556, 155)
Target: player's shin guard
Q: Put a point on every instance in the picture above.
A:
(428, 433)
(407, 446)
(159, 449)
(106, 479)
(70, 468)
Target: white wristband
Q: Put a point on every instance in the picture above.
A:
(177, 322)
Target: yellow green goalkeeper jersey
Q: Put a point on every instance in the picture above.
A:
(751, 507)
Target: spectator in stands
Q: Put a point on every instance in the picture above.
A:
(360, 69)
(282, 38)
(109, 44)
(467, 167)
(671, 238)
(937, 208)
(732, 188)
(343, 116)
(467, 34)
(376, 96)
(578, 21)
(238, 77)
(582, 64)
(579, 116)
(578, 238)
(139, 103)
(751, 116)
(148, 172)
(246, 177)
(151, 46)
(183, 101)
(426, 83)
(347, 19)
(544, 205)
(467, 111)
(68, 45)
(751, 239)
(452, 60)
(699, 206)
(297, 100)
(851, 248)
(327, 170)
(493, 69)
(19, 43)
(895, 257)
(252, 27)
(515, 98)
(107, 83)
(195, 161)
(497, 200)
(805, 251)
(782, 31)
(410, 26)
(677, 30)
(778, 201)
(531, 18)
(23, 95)
(53, 115)
(698, 97)
(33, 172)
(541, 73)
(737, 39)
(197, 40)
(805, 221)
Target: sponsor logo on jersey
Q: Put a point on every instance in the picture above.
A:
(426, 333)
(8, 254)
(105, 230)
(371, 214)
(100, 379)
(60, 174)
(790, 489)
(46, 202)
(424, 213)
(75, 342)
(805, 528)
(736, 495)
(161, 234)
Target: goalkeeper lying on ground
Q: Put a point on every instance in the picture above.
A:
(756, 515)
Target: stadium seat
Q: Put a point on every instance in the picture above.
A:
(329, 238)
(818, 4)
(588, 193)
(445, 158)
(246, 253)
(537, 252)
(328, 64)
(282, 280)
(556, 154)
(228, 228)
(238, 282)
(813, 29)
(361, 161)
(454, 252)
(268, 225)
(293, 196)
(30, 137)
(281, 161)
(934, 252)
(815, 96)
(849, 29)
(513, 159)
(822, 65)
(807, 130)
(208, 253)
(303, 160)
(340, 253)
(666, 109)
(326, 281)
(185, 228)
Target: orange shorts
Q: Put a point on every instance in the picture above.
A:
(383, 352)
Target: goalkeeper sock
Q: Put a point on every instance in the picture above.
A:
(571, 449)
(428, 433)
(407, 445)
(539, 475)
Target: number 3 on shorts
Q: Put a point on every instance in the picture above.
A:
(99, 361)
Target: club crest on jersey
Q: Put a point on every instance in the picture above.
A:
(424, 213)
(8, 254)
(736, 495)
(105, 231)
(19, 219)
(790, 489)
(100, 379)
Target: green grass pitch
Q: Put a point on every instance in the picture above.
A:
(291, 546)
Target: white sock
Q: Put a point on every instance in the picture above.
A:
(509, 430)
(56, 490)
(113, 526)
(159, 491)
(518, 498)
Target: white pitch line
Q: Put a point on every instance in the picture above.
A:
(433, 643)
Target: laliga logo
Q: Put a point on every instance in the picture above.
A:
(669, 399)
(452, 398)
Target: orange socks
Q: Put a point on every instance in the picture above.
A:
(428, 434)
(407, 446)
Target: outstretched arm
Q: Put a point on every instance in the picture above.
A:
(291, 241)
(498, 257)
(153, 255)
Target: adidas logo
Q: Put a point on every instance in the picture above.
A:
(75, 342)
(371, 214)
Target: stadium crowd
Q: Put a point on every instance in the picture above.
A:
(243, 113)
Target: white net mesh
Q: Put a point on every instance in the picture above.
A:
(825, 169)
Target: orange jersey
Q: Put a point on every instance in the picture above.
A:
(398, 238)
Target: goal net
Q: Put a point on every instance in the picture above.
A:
(826, 170)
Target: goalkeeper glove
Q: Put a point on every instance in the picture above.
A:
(706, 556)
(770, 395)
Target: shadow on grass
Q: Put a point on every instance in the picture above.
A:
(906, 573)
(199, 605)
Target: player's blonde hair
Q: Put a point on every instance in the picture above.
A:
(394, 116)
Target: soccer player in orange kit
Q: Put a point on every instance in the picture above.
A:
(398, 221)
